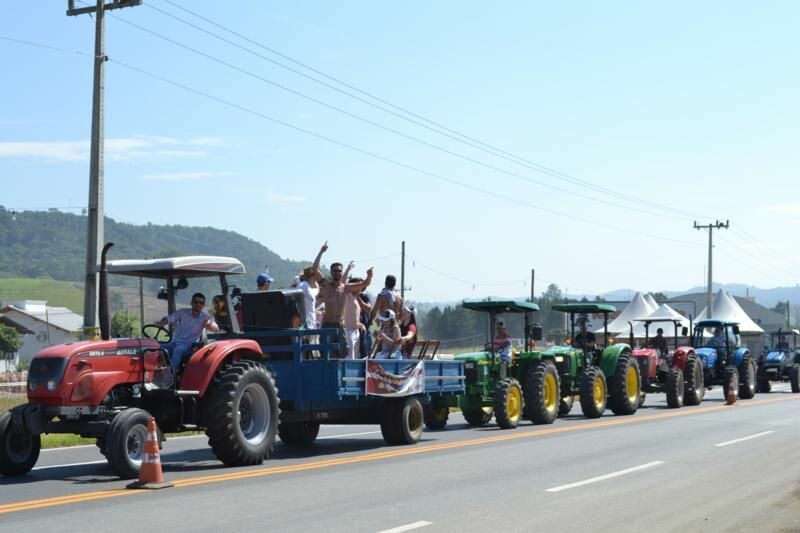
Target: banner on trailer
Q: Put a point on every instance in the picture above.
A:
(383, 383)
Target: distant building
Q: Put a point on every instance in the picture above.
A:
(40, 326)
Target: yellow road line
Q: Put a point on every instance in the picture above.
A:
(389, 454)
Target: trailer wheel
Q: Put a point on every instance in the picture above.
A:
(763, 385)
(675, 388)
(242, 414)
(19, 450)
(477, 416)
(593, 393)
(565, 405)
(730, 383)
(694, 389)
(625, 386)
(435, 416)
(402, 420)
(124, 442)
(508, 403)
(747, 378)
(542, 393)
(298, 433)
(794, 378)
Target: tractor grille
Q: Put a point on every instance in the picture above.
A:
(44, 369)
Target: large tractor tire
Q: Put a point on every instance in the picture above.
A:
(541, 392)
(675, 388)
(565, 405)
(298, 433)
(625, 386)
(19, 450)
(642, 398)
(794, 378)
(477, 416)
(242, 414)
(593, 393)
(763, 385)
(435, 416)
(694, 389)
(730, 384)
(747, 378)
(125, 440)
(402, 420)
(508, 403)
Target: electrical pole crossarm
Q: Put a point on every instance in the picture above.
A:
(113, 4)
(710, 228)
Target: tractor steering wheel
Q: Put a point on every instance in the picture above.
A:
(155, 331)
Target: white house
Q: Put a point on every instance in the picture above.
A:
(40, 325)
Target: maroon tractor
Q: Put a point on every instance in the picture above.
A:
(108, 389)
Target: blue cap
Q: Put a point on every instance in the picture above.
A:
(264, 278)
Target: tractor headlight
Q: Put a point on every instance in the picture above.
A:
(51, 385)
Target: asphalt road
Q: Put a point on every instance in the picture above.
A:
(712, 467)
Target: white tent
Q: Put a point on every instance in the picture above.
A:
(724, 307)
(660, 317)
(651, 302)
(635, 309)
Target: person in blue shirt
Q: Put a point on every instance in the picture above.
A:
(188, 327)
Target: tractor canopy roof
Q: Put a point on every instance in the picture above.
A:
(710, 323)
(785, 332)
(193, 266)
(585, 308)
(501, 306)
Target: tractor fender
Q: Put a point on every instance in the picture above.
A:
(738, 355)
(610, 356)
(680, 356)
(205, 362)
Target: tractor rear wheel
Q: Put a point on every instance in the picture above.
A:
(694, 389)
(593, 393)
(675, 388)
(508, 403)
(794, 378)
(747, 378)
(565, 405)
(124, 442)
(242, 414)
(477, 416)
(435, 416)
(541, 392)
(298, 433)
(763, 385)
(625, 386)
(730, 384)
(19, 450)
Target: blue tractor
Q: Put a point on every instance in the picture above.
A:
(725, 360)
(780, 361)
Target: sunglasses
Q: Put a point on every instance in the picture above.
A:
(337, 271)
(201, 302)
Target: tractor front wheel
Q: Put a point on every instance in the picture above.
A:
(19, 450)
(541, 392)
(694, 389)
(477, 416)
(435, 416)
(747, 378)
(763, 385)
(298, 433)
(675, 387)
(124, 442)
(593, 393)
(565, 405)
(243, 414)
(508, 403)
(625, 386)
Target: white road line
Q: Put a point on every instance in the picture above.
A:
(606, 476)
(349, 435)
(70, 464)
(745, 438)
(407, 527)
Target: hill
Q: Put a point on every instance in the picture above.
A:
(51, 245)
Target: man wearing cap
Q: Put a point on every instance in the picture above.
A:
(388, 336)
(502, 342)
(309, 284)
(263, 281)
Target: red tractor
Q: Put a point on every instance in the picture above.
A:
(675, 371)
(108, 389)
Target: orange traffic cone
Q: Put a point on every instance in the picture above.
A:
(731, 399)
(150, 475)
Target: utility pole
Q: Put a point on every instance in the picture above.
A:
(403, 270)
(710, 228)
(533, 277)
(95, 228)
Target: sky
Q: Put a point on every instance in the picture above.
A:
(580, 139)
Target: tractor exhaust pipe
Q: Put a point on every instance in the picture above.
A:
(102, 306)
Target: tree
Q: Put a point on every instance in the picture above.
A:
(659, 297)
(10, 341)
(124, 324)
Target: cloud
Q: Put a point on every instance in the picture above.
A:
(278, 198)
(125, 148)
(783, 209)
(182, 176)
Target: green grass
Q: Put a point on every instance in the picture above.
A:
(57, 293)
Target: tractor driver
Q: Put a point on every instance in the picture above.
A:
(189, 325)
(718, 340)
(659, 342)
(502, 342)
(584, 338)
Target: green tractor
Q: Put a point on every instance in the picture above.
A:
(600, 375)
(493, 375)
